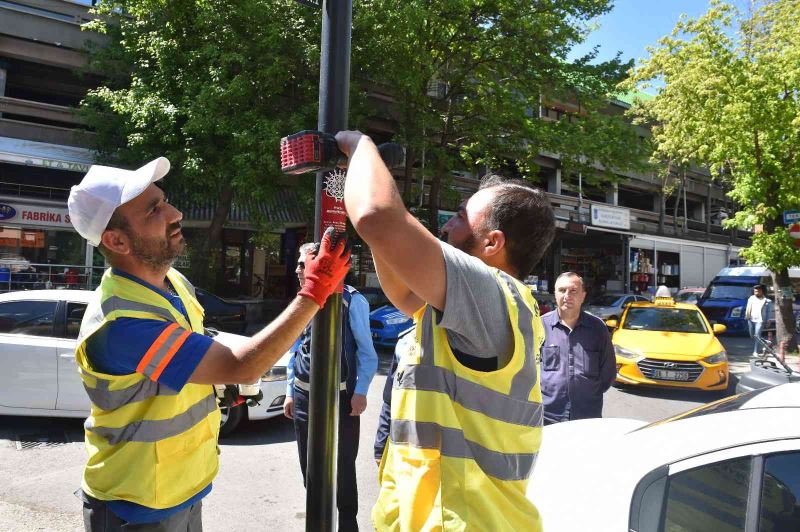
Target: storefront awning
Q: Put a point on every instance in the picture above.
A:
(44, 155)
(285, 209)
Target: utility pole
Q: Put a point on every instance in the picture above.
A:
(326, 344)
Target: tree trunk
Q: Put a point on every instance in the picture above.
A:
(433, 201)
(784, 315)
(203, 262)
(408, 176)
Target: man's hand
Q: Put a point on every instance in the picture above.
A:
(348, 140)
(325, 270)
(288, 407)
(358, 404)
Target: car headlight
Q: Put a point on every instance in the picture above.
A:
(631, 354)
(276, 373)
(737, 312)
(396, 321)
(722, 356)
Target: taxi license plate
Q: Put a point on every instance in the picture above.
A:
(668, 375)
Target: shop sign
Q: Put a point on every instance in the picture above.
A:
(790, 217)
(21, 214)
(611, 217)
(41, 162)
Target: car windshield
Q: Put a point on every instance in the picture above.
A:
(728, 291)
(688, 296)
(605, 301)
(665, 319)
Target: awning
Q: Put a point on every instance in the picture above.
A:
(44, 155)
(285, 209)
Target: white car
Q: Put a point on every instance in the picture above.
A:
(731, 465)
(611, 306)
(39, 377)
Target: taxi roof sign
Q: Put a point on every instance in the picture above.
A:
(664, 301)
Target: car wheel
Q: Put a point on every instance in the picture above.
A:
(230, 418)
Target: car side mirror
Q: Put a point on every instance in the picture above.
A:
(719, 328)
(611, 324)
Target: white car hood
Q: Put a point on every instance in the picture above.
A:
(573, 466)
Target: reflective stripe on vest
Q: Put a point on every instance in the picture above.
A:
(152, 430)
(115, 303)
(162, 350)
(451, 442)
(107, 399)
(471, 395)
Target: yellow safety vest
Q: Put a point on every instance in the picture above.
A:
(147, 444)
(463, 442)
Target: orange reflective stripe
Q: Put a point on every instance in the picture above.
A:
(155, 347)
(171, 353)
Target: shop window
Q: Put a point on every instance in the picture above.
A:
(643, 271)
(669, 270)
(34, 318)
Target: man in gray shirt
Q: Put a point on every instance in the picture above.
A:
(474, 360)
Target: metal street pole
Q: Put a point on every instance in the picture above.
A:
(326, 342)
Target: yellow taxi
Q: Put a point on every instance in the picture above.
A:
(670, 345)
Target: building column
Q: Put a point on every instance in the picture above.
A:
(612, 195)
(3, 75)
(554, 182)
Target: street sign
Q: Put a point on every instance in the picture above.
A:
(791, 216)
(794, 232)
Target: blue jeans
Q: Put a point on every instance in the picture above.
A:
(755, 332)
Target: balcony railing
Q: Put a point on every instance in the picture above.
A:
(35, 191)
(20, 275)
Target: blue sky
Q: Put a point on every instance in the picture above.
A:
(635, 24)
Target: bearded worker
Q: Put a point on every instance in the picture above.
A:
(146, 364)
(466, 405)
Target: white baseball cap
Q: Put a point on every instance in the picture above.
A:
(104, 188)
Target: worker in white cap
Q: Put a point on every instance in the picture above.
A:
(146, 364)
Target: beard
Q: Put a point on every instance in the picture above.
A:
(467, 245)
(157, 253)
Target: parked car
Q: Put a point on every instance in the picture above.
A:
(386, 322)
(689, 295)
(546, 302)
(669, 345)
(731, 465)
(38, 337)
(222, 315)
(766, 370)
(611, 306)
(725, 299)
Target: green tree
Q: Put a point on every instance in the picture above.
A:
(729, 101)
(468, 79)
(212, 85)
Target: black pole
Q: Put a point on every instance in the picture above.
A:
(326, 345)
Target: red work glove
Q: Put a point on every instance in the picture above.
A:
(325, 269)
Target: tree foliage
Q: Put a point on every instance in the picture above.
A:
(493, 62)
(729, 101)
(212, 85)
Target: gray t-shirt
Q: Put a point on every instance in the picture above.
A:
(475, 314)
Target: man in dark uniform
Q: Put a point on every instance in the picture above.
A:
(359, 363)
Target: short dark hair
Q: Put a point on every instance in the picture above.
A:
(570, 274)
(760, 287)
(117, 221)
(524, 215)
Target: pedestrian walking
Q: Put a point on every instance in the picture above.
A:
(578, 361)
(146, 364)
(466, 403)
(359, 363)
(757, 312)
